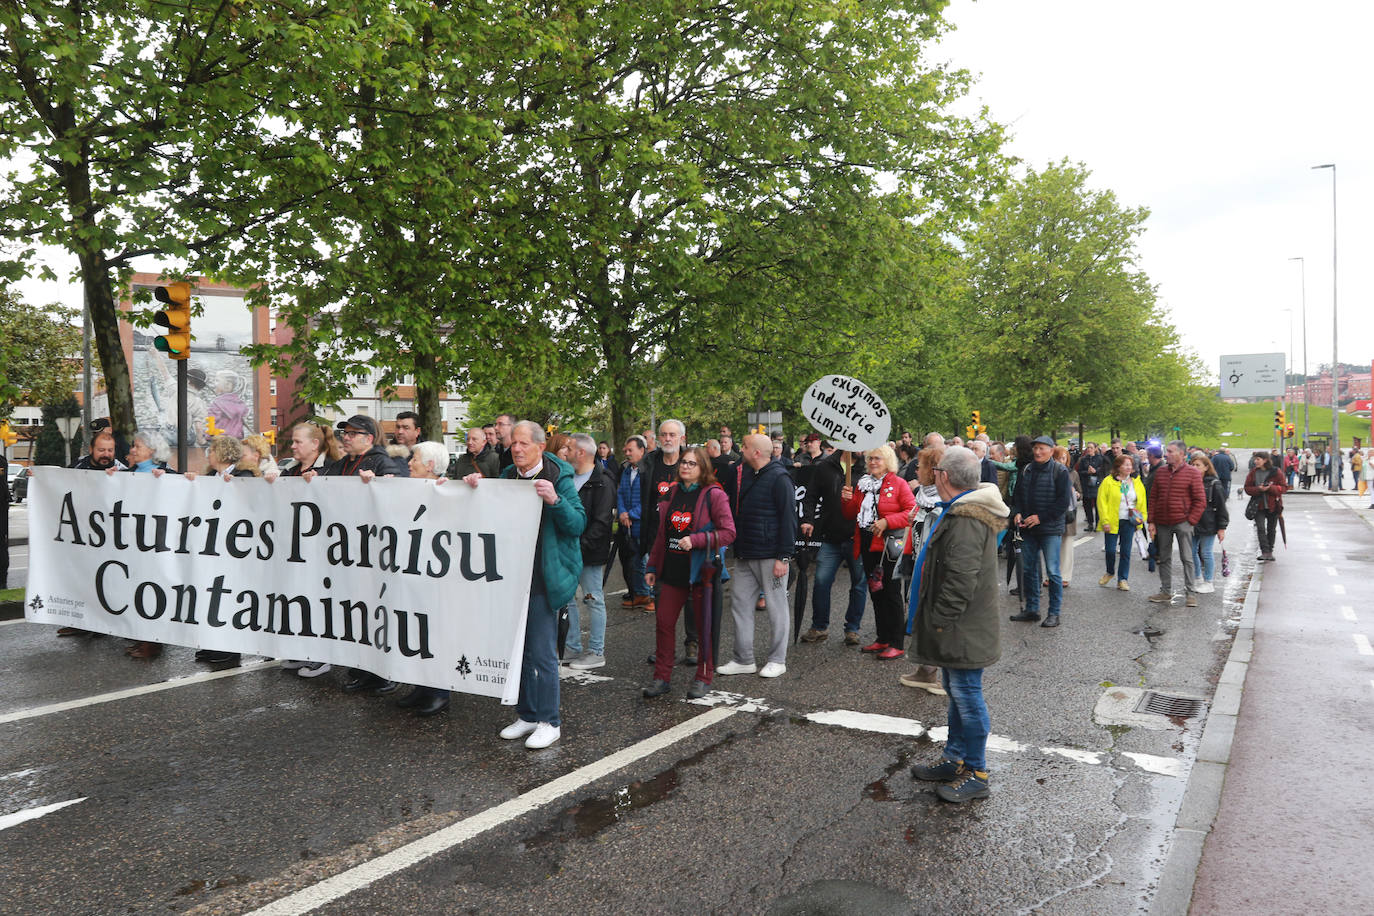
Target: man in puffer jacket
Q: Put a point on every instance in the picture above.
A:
(1041, 500)
(1177, 501)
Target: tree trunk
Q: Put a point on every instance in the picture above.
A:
(95, 282)
(427, 398)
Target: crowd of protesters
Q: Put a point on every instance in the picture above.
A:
(669, 512)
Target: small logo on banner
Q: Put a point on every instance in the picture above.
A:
(463, 667)
(36, 604)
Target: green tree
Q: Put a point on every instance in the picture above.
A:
(50, 448)
(40, 349)
(141, 128)
(1061, 324)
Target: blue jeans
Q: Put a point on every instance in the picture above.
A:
(1032, 546)
(828, 560)
(1125, 535)
(968, 717)
(538, 700)
(1204, 564)
(590, 580)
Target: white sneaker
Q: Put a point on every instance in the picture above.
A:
(1204, 588)
(570, 657)
(736, 668)
(587, 662)
(292, 664)
(773, 669)
(315, 669)
(544, 734)
(518, 729)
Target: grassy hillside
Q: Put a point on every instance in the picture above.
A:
(1252, 426)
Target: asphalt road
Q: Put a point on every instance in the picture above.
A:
(223, 795)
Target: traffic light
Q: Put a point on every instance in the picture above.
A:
(977, 421)
(8, 437)
(970, 431)
(176, 318)
(1292, 430)
(1278, 420)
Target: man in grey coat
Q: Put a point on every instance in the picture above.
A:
(954, 588)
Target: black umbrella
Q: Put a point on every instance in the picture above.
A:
(1283, 529)
(1012, 543)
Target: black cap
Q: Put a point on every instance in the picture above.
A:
(1043, 440)
(360, 423)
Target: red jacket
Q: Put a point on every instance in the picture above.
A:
(1271, 500)
(1176, 496)
(895, 500)
(712, 506)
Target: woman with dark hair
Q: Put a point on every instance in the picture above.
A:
(1211, 527)
(1265, 485)
(1120, 511)
(694, 523)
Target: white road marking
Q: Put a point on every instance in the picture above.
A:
(19, 817)
(360, 876)
(1362, 644)
(1338, 589)
(1326, 557)
(5, 623)
(1074, 754)
(1165, 766)
(1348, 613)
(581, 677)
(174, 683)
(735, 701)
(868, 722)
(1332, 571)
(1082, 541)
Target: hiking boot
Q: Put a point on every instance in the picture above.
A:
(690, 652)
(698, 690)
(1162, 598)
(814, 635)
(964, 787)
(851, 637)
(656, 689)
(1051, 620)
(944, 771)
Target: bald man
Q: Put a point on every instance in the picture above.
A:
(765, 522)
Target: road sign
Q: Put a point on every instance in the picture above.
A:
(1253, 375)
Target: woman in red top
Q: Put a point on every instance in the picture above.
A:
(694, 523)
(880, 506)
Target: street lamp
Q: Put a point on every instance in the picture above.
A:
(1306, 391)
(1290, 366)
(1335, 448)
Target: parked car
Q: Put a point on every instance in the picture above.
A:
(18, 482)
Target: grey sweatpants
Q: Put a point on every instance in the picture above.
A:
(1164, 543)
(748, 578)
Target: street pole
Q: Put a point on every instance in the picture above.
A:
(1283, 433)
(181, 416)
(1306, 389)
(1335, 448)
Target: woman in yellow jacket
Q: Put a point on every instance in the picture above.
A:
(1120, 511)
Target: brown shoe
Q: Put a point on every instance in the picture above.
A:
(648, 605)
(814, 635)
(71, 631)
(629, 600)
(851, 638)
(1190, 601)
(145, 650)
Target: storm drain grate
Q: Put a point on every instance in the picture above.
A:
(1163, 704)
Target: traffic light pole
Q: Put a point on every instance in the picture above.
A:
(181, 415)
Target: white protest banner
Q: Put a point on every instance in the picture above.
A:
(415, 582)
(847, 412)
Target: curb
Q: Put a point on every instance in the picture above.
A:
(1202, 795)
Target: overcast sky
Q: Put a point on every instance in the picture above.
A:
(1210, 114)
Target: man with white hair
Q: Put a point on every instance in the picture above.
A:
(954, 596)
(553, 582)
(660, 472)
(596, 489)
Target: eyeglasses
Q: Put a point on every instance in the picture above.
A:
(939, 470)
(350, 432)
(687, 463)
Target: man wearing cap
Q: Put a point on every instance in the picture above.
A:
(809, 452)
(1040, 502)
(362, 452)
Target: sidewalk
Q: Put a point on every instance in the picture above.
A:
(1296, 818)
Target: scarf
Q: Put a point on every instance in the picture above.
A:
(914, 597)
(868, 511)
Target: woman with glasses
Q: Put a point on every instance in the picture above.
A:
(1120, 511)
(695, 522)
(880, 505)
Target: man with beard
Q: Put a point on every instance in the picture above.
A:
(101, 458)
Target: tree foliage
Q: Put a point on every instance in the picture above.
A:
(39, 350)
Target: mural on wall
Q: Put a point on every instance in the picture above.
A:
(220, 381)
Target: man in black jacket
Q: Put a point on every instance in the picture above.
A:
(596, 489)
(765, 539)
(836, 534)
(1041, 501)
